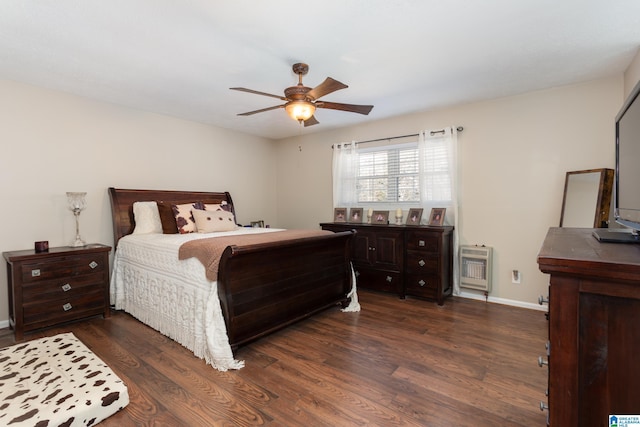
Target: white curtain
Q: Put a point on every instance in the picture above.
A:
(345, 171)
(438, 151)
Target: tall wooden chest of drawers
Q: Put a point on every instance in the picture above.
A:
(594, 328)
(57, 286)
(403, 259)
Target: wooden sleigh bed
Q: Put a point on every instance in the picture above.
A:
(261, 287)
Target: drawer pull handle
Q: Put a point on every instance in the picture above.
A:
(543, 300)
(357, 273)
(35, 273)
(93, 264)
(421, 243)
(544, 406)
(422, 282)
(421, 263)
(66, 287)
(67, 307)
(542, 362)
(389, 279)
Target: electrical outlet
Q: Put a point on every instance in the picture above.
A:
(516, 276)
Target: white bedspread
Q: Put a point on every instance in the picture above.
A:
(172, 296)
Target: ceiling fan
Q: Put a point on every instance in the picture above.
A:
(302, 101)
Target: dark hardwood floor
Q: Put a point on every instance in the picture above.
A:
(397, 362)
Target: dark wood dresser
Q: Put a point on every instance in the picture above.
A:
(403, 259)
(594, 327)
(60, 285)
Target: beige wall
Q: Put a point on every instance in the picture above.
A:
(53, 143)
(514, 154)
(632, 75)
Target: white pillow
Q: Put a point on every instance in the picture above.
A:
(147, 218)
(212, 221)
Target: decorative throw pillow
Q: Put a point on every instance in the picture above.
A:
(147, 218)
(167, 218)
(184, 217)
(222, 206)
(211, 221)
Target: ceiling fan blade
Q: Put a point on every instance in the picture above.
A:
(328, 86)
(261, 111)
(360, 109)
(311, 121)
(243, 89)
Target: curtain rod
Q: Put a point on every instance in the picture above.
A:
(433, 132)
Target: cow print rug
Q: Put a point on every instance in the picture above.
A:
(57, 381)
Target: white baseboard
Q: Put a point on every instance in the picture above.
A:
(4, 324)
(514, 303)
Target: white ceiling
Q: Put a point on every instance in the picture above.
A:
(180, 57)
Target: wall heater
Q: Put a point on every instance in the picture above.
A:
(476, 267)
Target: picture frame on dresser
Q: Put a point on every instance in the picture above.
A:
(414, 216)
(437, 216)
(380, 217)
(355, 215)
(340, 215)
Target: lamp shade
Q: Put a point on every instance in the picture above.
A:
(300, 110)
(76, 200)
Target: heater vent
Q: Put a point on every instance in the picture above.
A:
(476, 267)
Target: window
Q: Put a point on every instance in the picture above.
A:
(414, 174)
(389, 174)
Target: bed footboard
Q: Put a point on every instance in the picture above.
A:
(268, 286)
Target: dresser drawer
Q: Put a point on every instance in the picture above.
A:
(40, 315)
(423, 285)
(379, 280)
(64, 266)
(64, 287)
(422, 263)
(423, 241)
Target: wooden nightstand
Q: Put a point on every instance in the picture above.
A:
(57, 286)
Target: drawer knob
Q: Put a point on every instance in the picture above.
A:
(422, 282)
(389, 279)
(66, 287)
(544, 406)
(357, 273)
(67, 307)
(421, 263)
(543, 300)
(93, 264)
(35, 272)
(421, 243)
(542, 362)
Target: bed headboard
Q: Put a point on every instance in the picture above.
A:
(122, 204)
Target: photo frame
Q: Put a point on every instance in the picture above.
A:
(415, 216)
(257, 224)
(380, 217)
(355, 215)
(437, 216)
(340, 215)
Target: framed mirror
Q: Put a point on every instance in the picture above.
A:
(587, 198)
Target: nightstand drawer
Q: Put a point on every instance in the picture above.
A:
(64, 266)
(64, 287)
(76, 307)
(421, 263)
(423, 241)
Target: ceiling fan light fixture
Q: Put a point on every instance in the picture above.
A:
(300, 111)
